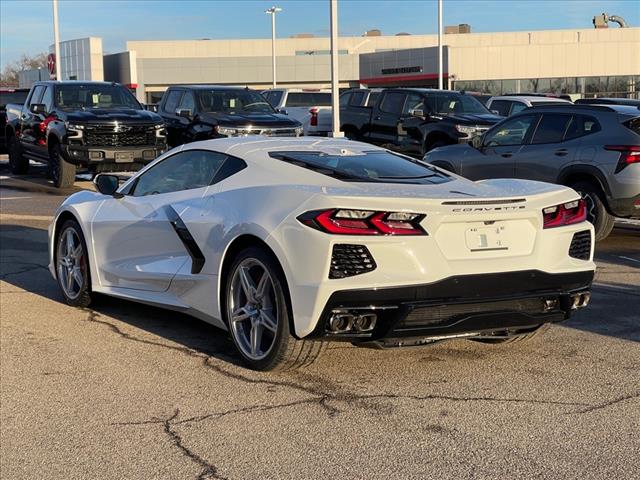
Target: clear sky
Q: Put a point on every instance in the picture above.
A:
(26, 26)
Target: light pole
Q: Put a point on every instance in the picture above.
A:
(335, 78)
(272, 11)
(440, 79)
(56, 40)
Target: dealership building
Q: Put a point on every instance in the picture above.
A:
(587, 62)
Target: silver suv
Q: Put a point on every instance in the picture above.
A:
(594, 149)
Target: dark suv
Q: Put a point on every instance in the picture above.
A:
(593, 149)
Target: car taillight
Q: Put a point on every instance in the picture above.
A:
(314, 117)
(565, 214)
(363, 222)
(628, 154)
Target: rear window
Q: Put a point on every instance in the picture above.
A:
(633, 125)
(373, 166)
(13, 97)
(308, 99)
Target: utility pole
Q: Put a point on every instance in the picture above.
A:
(56, 40)
(335, 78)
(272, 11)
(440, 73)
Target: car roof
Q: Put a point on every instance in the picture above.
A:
(209, 87)
(530, 98)
(573, 108)
(299, 90)
(73, 82)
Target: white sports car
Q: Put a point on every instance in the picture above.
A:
(289, 243)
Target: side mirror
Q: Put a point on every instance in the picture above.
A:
(496, 112)
(417, 113)
(37, 108)
(184, 113)
(107, 184)
(152, 107)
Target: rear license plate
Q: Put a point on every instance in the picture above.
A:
(481, 239)
(124, 157)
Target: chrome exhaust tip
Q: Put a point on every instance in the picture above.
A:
(341, 322)
(365, 322)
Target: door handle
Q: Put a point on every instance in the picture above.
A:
(562, 152)
(506, 155)
(376, 118)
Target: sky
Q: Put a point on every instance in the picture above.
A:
(26, 25)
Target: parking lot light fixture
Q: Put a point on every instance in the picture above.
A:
(272, 11)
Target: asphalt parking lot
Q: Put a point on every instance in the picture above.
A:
(129, 391)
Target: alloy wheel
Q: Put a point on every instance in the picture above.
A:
(253, 309)
(70, 263)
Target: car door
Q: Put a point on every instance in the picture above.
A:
(384, 123)
(30, 121)
(553, 145)
(500, 149)
(141, 240)
(173, 125)
(410, 137)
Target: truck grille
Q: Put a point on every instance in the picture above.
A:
(580, 247)
(349, 260)
(270, 132)
(124, 136)
(439, 314)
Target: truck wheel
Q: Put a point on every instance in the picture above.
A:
(18, 163)
(63, 173)
(597, 213)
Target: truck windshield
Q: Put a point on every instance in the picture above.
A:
(453, 103)
(233, 101)
(373, 166)
(87, 96)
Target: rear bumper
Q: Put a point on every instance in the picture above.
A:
(83, 155)
(465, 305)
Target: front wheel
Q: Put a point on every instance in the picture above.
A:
(62, 172)
(72, 266)
(597, 214)
(257, 313)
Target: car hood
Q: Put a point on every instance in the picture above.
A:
(475, 118)
(247, 118)
(124, 115)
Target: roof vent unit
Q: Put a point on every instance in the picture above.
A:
(602, 21)
(402, 34)
(461, 28)
(373, 33)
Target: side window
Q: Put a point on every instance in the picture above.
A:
(414, 102)
(345, 99)
(183, 171)
(501, 106)
(517, 107)
(47, 99)
(173, 99)
(275, 98)
(551, 129)
(511, 132)
(356, 99)
(231, 166)
(188, 102)
(393, 102)
(581, 125)
(37, 95)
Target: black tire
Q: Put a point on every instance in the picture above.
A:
(436, 144)
(351, 134)
(524, 337)
(597, 214)
(17, 162)
(285, 352)
(83, 297)
(63, 173)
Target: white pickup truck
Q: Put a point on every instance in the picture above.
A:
(302, 105)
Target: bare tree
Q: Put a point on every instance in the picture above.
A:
(11, 71)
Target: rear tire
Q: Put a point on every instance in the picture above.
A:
(597, 214)
(63, 173)
(72, 266)
(525, 337)
(257, 312)
(17, 162)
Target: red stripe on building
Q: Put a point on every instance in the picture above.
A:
(400, 78)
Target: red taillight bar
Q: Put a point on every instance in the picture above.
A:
(628, 154)
(339, 221)
(565, 214)
(314, 116)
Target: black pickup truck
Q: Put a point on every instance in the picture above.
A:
(416, 120)
(97, 125)
(200, 112)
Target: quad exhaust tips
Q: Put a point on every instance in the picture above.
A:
(346, 322)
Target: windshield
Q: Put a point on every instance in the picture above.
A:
(87, 96)
(13, 97)
(453, 103)
(233, 101)
(373, 166)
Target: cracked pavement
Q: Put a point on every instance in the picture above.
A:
(122, 390)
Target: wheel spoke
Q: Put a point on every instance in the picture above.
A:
(239, 315)
(69, 282)
(77, 276)
(256, 338)
(267, 320)
(69, 242)
(262, 286)
(77, 252)
(248, 287)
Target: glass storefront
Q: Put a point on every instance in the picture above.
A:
(621, 86)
